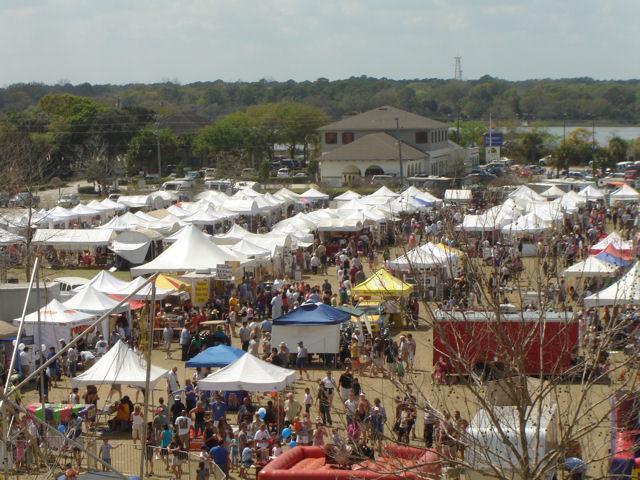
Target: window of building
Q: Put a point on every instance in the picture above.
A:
(421, 137)
(330, 138)
(347, 137)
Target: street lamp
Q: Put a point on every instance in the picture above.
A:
(399, 152)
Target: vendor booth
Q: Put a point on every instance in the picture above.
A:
(384, 286)
(122, 366)
(492, 437)
(316, 324)
(218, 356)
(90, 300)
(57, 322)
(250, 374)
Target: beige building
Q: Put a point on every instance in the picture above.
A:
(371, 143)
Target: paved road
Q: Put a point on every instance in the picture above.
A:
(48, 198)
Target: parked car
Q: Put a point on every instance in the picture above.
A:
(192, 175)
(24, 199)
(284, 172)
(68, 285)
(479, 178)
(300, 175)
(248, 172)
(382, 179)
(69, 200)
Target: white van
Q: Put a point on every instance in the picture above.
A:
(225, 186)
(181, 189)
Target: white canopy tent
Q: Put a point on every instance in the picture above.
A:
(313, 195)
(84, 212)
(553, 192)
(625, 291)
(452, 196)
(384, 191)
(614, 239)
(133, 246)
(346, 196)
(625, 194)
(526, 225)
(57, 322)
(250, 374)
(75, 239)
(105, 282)
(102, 208)
(425, 256)
(488, 450)
(286, 194)
(193, 251)
(144, 293)
(591, 193)
(527, 194)
(135, 201)
(90, 300)
(9, 238)
(121, 366)
(124, 222)
(591, 267)
(107, 202)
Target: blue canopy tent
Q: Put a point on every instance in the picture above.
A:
(315, 324)
(310, 313)
(218, 356)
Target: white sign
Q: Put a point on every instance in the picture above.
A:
(223, 272)
(492, 154)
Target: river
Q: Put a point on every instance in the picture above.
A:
(603, 133)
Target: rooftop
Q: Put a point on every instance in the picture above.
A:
(374, 147)
(384, 118)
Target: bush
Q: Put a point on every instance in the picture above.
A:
(87, 190)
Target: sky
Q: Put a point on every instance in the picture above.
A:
(146, 41)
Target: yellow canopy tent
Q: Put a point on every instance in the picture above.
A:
(382, 284)
(454, 251)
(170, 283)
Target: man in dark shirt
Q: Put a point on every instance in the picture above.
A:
(345, 381)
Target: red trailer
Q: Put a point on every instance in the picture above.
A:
(531, 343)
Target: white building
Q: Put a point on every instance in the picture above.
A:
(371, 143)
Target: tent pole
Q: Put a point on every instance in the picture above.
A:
(147, 380)
(39, 330)
(72, 343)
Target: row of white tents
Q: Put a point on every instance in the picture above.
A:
(527, 212)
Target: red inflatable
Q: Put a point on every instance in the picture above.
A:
(308, 463)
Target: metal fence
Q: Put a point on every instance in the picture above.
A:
(55, 452)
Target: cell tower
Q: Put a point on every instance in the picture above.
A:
(457, 72)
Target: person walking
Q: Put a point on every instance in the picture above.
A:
(324, 405)
(167, 337)
(185, 341)
(302, 358)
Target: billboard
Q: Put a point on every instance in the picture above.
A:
(496, 140)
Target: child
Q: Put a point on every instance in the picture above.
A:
(74, 396)
(234, 453)
(336, 439)
(246, 459)
(318, 435)
(203, 471)
(20, 453)
(105, 452)
(308, 400)
(276, 451)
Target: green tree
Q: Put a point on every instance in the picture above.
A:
(299, 125)
(617, 149)
(142, 154)
(263, 170)
(230, 136)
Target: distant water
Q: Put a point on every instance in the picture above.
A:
(603, 133)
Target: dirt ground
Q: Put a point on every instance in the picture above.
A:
(443, 397)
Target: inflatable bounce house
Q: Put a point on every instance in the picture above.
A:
(625, 435)
(310, 463)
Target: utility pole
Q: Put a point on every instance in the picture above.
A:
(158, 148)
(399, 152)
(564, 128)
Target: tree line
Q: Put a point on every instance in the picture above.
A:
(576, 99)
